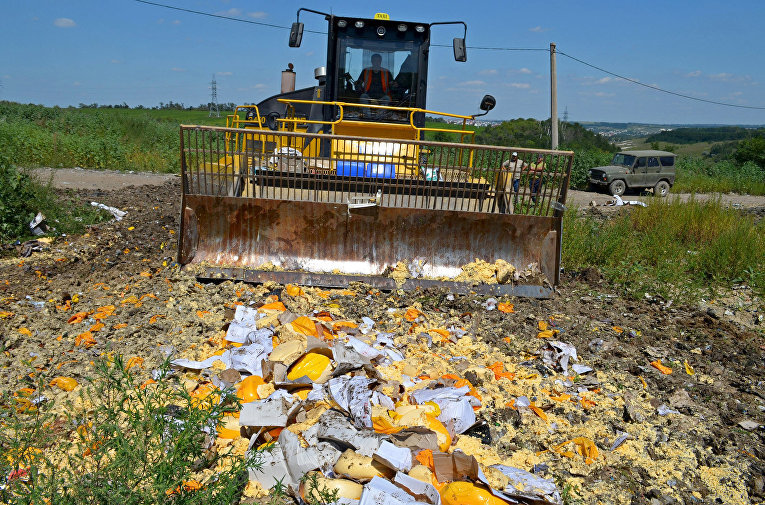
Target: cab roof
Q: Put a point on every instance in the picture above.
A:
(647, 152)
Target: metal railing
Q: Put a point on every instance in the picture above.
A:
(364, 172)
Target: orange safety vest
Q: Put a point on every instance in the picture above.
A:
(368, 79)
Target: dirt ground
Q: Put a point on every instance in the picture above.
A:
(694, 436)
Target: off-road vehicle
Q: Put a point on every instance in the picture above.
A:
(635, 170)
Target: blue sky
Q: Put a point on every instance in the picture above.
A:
(59, 52)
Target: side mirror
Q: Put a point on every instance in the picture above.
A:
(296, 34)
(487, 103)
(460, 52)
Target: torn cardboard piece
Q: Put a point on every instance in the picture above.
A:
(396, 458)
(421, 491)
(379, 491)
(455, 466)
(334, 426)
(416, 438)
(274, 411)
(353, 394)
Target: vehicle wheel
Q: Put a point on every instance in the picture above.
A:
(617, 187)
(661, 188)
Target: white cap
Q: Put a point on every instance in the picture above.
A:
(515, 154)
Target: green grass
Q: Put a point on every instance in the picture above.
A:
(117, 442)
(670, 248)
(704, 176)
(22, 196)
(118, 139)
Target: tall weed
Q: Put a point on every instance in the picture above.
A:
(671, 248)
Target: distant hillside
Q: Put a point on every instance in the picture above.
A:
(532, 133)
(710, 134)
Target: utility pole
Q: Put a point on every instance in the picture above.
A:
(214, 98)
(553, 99)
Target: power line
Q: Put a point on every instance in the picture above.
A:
(498, 48)
(221, 16)
(656, 88)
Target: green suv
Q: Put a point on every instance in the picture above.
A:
(636, 170)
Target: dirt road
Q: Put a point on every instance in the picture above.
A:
(108, 180)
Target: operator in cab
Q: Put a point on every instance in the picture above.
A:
(375, 82)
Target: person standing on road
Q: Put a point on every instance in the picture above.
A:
(511, 171)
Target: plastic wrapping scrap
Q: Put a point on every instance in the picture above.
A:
(201, 365)
(528, 483)
(557, 355)
(443, 394)
(364, 349)
(114, 211)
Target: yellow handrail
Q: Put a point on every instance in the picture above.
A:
(411, 110)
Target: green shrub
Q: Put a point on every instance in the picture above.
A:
(17, 193)
(121, 442)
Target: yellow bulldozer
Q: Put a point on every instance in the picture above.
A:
(339, 182)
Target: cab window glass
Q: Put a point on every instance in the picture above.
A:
(640, 163)
(653, 162)
(667, 161)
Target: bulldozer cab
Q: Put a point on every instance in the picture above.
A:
(379, 62)
(339, 182)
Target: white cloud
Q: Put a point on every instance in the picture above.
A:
(538, 29)
(257, 14)
(524, 70)
(603, 80)
(64, 23)
(178, 69)
(472, 83)
(259, 86)
(489, 71)
(116, 61)
(519, 85)
(695, 73)
(722, 76)
(176, 21)
(224, 73)
(231, 12)
(603, 94)
(76, 83)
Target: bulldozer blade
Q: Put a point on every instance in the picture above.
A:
(332, 245)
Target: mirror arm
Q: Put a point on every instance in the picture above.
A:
(311, 10)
